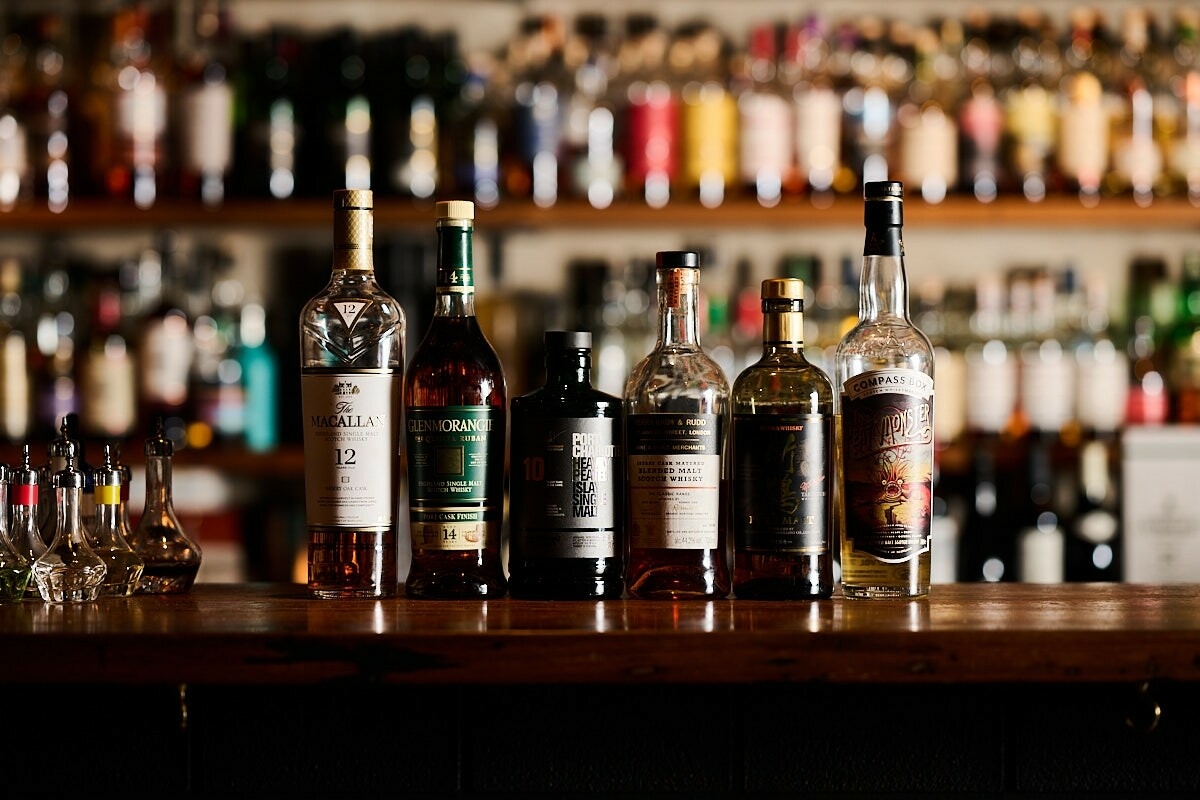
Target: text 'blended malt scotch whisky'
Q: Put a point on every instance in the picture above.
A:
(455, 407)
(677, 414)
(782, 460)
(352, 366)
(567, 480)
(884, 373)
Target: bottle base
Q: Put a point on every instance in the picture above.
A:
(780, 589)
(565, 590)
(453, 587)
(884, 592)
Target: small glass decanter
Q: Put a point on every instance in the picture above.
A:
(69, 572)
(15, 570)
(24, 534)
(172, 557)
(110, 534)
(58, 451)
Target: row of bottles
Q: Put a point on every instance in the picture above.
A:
(175, 100)
(65, 533)
(159, 334)
(644, 493)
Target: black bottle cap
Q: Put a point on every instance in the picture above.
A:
(677, 259)
(883, 205)
(557, 341)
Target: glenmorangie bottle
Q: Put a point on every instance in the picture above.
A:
(455, 406)
(677, 414)
(352, 363)
(566, 514)
(782, 456)
(884, 374)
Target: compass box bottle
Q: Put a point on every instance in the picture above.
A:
(884, 373)
(677, 416)
(455, 415)
(566, 481)
(352, 363)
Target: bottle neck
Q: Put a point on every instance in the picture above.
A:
(678, 307)
(883, 288)
(455, 271)
(158, 482)
(66, 504)
(353, 238)
(783, 326)
(569, 368)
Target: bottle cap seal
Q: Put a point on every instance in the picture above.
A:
(677, 259)
(360, 199)
(455, 211)
(557, 341)
(884, 204)
(783, 289)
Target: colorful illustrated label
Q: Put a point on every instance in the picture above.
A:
(567, 471)
(887, 444)
(350, 443)
(674, 481)
(781, 483)
(455, 464)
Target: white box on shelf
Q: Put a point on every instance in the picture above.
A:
(1160, 473)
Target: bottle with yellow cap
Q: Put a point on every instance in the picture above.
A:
(352, 367)
(782, 456)
(455, 403)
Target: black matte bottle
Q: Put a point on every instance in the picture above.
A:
(566, 479)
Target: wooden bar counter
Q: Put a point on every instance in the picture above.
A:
(996, 690)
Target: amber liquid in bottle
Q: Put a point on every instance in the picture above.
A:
(782, 451)
(352, 362)
(677, 413)
(455, 404)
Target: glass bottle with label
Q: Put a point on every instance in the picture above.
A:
(677, 411)
(567, 481)
(23, 531)
(352, 364)
(884, 373)
(15, 569)
(782, 455)
(69, 572)
(455, 404)
(172, 557)
(109, 537)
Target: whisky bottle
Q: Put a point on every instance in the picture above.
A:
(15, 569)
(69, 572)
(455, 404)
(172, 558)
(782, 460)
(109, 536)
(352, 364)
(884, 373)
(677, 412)
(566, 481)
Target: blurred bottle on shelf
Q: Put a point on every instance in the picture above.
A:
(766, 138)
(108, 371)
(806, 74)
(1084, 139)
(536, 61)
(56, 331)
(1150, 307)
(592, 159)
(652, 127)
(1184, 351)
(206, 100)
(708, 114)
(269, 136)
(16, 389)
(260, 380)
(165, 344)
(926, 127)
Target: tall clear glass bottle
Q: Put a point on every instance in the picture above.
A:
(455, 404)
(782, 456)
(172, 558)
(884, 374)
(677, 415)
(109, 537)
(566, 481)
(352, 366)
(26, 537)
(15, 569)
(69, 572)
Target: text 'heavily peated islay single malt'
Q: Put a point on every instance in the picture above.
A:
(352, 363)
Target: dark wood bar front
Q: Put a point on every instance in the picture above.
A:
(984, 690)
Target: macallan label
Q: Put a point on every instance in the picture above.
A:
(887, 451)
(567, 471)
(781, 483)
(674, 481)
(453, 493)
(350, 442)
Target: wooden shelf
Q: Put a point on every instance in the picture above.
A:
(258, 634)
(400, 213)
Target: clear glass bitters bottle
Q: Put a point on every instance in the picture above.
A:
(109, 537)
(23, 531)
(15, 570)
(69, 572)
(172, 558)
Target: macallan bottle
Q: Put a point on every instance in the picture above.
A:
(351, 371)
(677, 413)
(566, 514)
(782, 457)
(455, 404)
(884, 372)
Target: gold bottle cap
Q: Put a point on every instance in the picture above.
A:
(455, 210)
(783, 289)
(361, 199)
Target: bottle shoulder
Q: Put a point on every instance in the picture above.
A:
(677, 380)
(574, 401)
(888, 343)
(792, 384)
